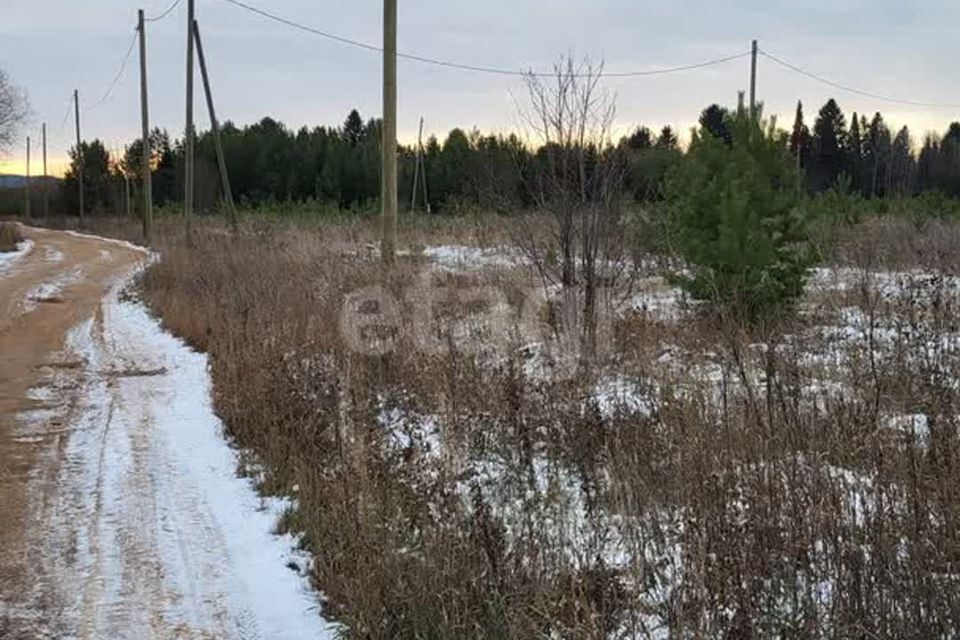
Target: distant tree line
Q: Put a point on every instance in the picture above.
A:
(869, 158)
(269, 163)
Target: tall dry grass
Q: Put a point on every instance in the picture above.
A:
(765, 490)
(10, 236)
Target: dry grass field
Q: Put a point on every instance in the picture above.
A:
(699, 478)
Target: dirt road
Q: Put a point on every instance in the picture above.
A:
(120, 512)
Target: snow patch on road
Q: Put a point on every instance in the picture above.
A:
(52, 254)
(151, 533)
(9, 258)
(113, 241)
(51, 291)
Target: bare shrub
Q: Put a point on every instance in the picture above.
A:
(10, 236)
(577, 177)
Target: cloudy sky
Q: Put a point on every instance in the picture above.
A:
(891, 47)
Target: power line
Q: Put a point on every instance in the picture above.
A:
(163, 15)
(471, 67)
(849, 89)
(116, 78)
(66, 115)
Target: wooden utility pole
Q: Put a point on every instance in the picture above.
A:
(146, 170)
(416, 168)
(215, 127)
(27, 210)
(127, 203)
(188, 142)
(389, 143)
(753, 80)
(44, 185)
(76, 108)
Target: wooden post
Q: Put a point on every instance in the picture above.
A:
(27, 210)
(423, 179)
(753, 80)
(76, 107)
(215, 127)
(44, 186)
(416, 168)
(189, 139)
(389, 143)
(127, 204)
(146, 170)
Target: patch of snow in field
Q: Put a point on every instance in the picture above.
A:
(455, 257)
(889, 284)
(9, 258)
(407, 431)
(915, 426)
(620, 396)
(657, 300)
(858, 492)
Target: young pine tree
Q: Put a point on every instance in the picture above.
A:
(737, 221)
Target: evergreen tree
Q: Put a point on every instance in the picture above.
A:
(353, 128)
(877, 156)
(736, 220)
(800, 142)
(855, 163)
(640, 139)
(800, 136)
(902, 165)
(667, 139)
(713, 121)
(96, 177)
(829, 146)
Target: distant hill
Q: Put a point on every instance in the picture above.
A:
(8, 181)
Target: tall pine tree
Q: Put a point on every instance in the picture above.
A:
(829, 146)
(713, 121)
(855, 155)
(877, 156)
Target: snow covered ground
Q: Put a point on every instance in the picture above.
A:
(454, 257)
(151, 534)
(9, 258)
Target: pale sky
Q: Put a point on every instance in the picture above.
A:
(258, 68)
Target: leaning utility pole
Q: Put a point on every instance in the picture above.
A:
(753, 80)
(389, 143)
(188, 142)
(43, 184)
(215, 127)
(27, 210)
(146, 169)
(416, 167)
(76, 107)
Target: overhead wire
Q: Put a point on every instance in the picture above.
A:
(854, 90)
(163, 15)
(499, 70)
(472, 67)
(63, 123)
(116, 78)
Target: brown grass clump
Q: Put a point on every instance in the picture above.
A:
(10, 236)
(771, 483)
